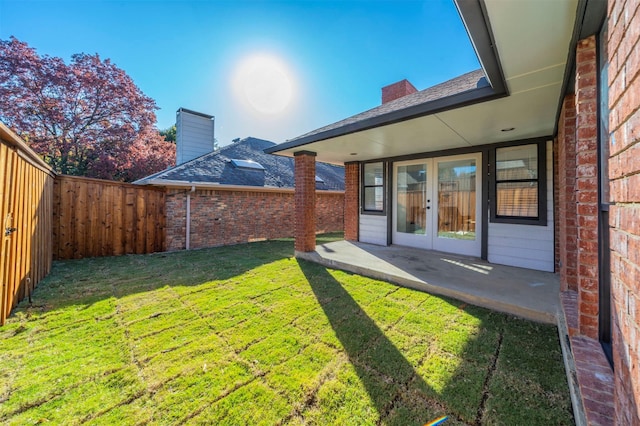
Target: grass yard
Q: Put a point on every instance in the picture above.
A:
(248, 335)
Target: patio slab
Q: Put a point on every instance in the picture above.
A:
(533, 295)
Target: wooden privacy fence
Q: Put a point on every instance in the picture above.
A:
(94, 217)
(456, 209)
(26, 188)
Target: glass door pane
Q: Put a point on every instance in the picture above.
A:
(411, 190)
(457, 199)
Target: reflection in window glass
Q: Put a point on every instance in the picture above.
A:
(411, 190)
(517, 199)
(373, 187)
(457, 199)
(517, 181)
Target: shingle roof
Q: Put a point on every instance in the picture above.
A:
(216, 167)
(401, 108)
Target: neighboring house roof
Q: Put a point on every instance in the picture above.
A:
(218, 167)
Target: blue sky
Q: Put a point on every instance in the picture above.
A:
(331, 57)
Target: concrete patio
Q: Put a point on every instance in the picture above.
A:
(526, 293)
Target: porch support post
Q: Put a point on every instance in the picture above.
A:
(351, 200)
(567, 231)
(305, 201)
(587, 186)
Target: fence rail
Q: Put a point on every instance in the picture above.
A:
(102, 218)
(26, 185)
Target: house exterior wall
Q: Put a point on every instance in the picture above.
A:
(624, 175)
(373, 229)
(232, 216)
(526, 246)
(578, 236)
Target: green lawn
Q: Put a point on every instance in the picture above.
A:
(249, 335)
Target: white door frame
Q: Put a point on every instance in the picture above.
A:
(430, 239)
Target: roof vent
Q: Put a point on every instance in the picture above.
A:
(246, 164)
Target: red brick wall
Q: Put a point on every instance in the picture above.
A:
(624, 173)
(222, 217)
(397, 90)
(305, 199)
(351, 200)
(587, 185)
(566, 222)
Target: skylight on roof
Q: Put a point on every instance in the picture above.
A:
(246, 164)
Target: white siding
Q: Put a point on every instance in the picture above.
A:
(526, 246)
(373, 229)
(194, 135)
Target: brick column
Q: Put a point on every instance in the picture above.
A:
(624, 217)
(351, 200)
(305, 201)
(567, 231)
(586, 102)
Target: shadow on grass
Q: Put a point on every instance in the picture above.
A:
(504, 371)
(389, 378)
(90, 280)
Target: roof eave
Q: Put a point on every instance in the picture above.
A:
(180, 184)
(432, 107)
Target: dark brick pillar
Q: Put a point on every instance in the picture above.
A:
(351, 200)
(567, 231)
(587, 185)
(305, 201)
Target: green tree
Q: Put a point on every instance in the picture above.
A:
(169, 134)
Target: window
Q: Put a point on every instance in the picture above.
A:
(519, 191)
(373, 188)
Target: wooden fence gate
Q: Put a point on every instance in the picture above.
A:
(26, 189)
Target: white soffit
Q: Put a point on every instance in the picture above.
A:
(532, 113)
(425, 134)
(531, 35)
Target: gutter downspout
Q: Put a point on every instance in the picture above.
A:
(188, 226)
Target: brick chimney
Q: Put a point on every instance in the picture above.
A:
(397, 90)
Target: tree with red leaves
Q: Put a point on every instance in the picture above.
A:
(87, 118)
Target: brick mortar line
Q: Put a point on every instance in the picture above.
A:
(626, 175)
(625, 148)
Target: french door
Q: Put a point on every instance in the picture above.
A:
(437, 204)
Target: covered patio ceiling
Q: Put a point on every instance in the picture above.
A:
(523, 47)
